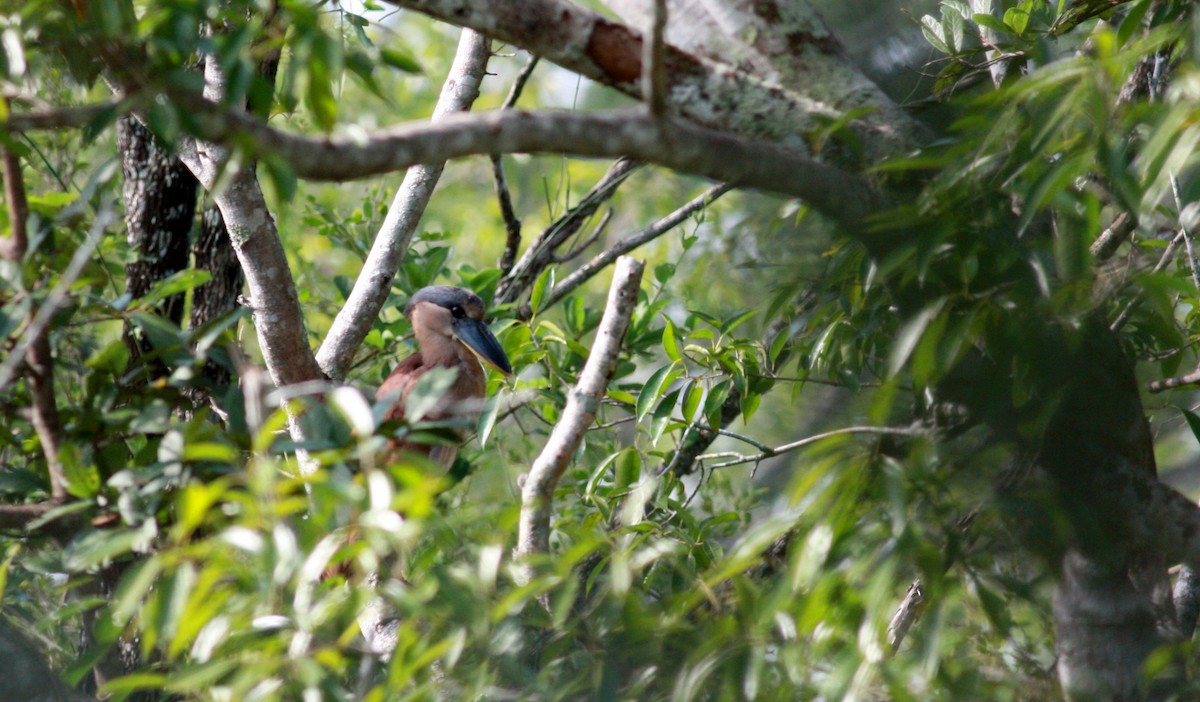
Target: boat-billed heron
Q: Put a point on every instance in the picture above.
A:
(448, 325)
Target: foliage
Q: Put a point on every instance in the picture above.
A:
(710, 585)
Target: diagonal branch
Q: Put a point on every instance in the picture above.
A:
(584, 399)
(273, 297)
(374, 283)
(606, 257)
(541, 251)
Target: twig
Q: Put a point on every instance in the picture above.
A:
(662, 226)
(374, 283)
(1187, 235)
(512, 225)
(533, 535)
(739, 458)
(518, 86)
(1166, 257)
(654, 72)
(34, 349)
(14, 246)
(541, 251)
(38, 357)
(1176, 382)
(908, 611)
(1110, 239)
(582, 246)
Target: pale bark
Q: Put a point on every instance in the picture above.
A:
(273, 298)
(673, 143)
(709, 92)
(785, 43)
(583, 401)
(374, 282)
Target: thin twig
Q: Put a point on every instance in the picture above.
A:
(1187, 235)
(512, 225)
(38, 357)
(1177, 382)
(541, 251)
(582, 246)
(34, 348)
(518, 86)
(740, 458)
(662, 226)
(1166, 257)
(654, 72)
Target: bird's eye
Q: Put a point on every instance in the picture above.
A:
(458, 312)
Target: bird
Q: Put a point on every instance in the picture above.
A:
(447, 322)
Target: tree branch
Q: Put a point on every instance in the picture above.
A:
(273, 297)
(538, 490)
(374, 282)
(908, 611)
(512, 225)
(846, 197)
(709, 92)
(39, 360)
(654, 71)
(662, 226)
(541, 252)
(740, 459)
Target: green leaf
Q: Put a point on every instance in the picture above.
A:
(654, 388)
(1017, 18)
(1132, 21)
(487, 419)
(83, 479)
(932, 29)
(910, 334)
(427, 392)
(544, 282)
(691, 400)
(991, 23)
(174, 284)
(714, 402)
(400, 58)
(670, 341)
(112, 358)
(1193, 422)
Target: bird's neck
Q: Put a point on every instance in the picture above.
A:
(437, 350)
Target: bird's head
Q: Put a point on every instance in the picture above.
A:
(443, 314)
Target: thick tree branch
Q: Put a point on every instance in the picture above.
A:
(533, 535)
(273, 298)
(706, 91)
(786, 44)
(673, 143)
(374, 282)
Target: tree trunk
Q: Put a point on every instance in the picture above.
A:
(160, 206)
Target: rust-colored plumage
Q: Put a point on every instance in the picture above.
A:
(448, 325)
